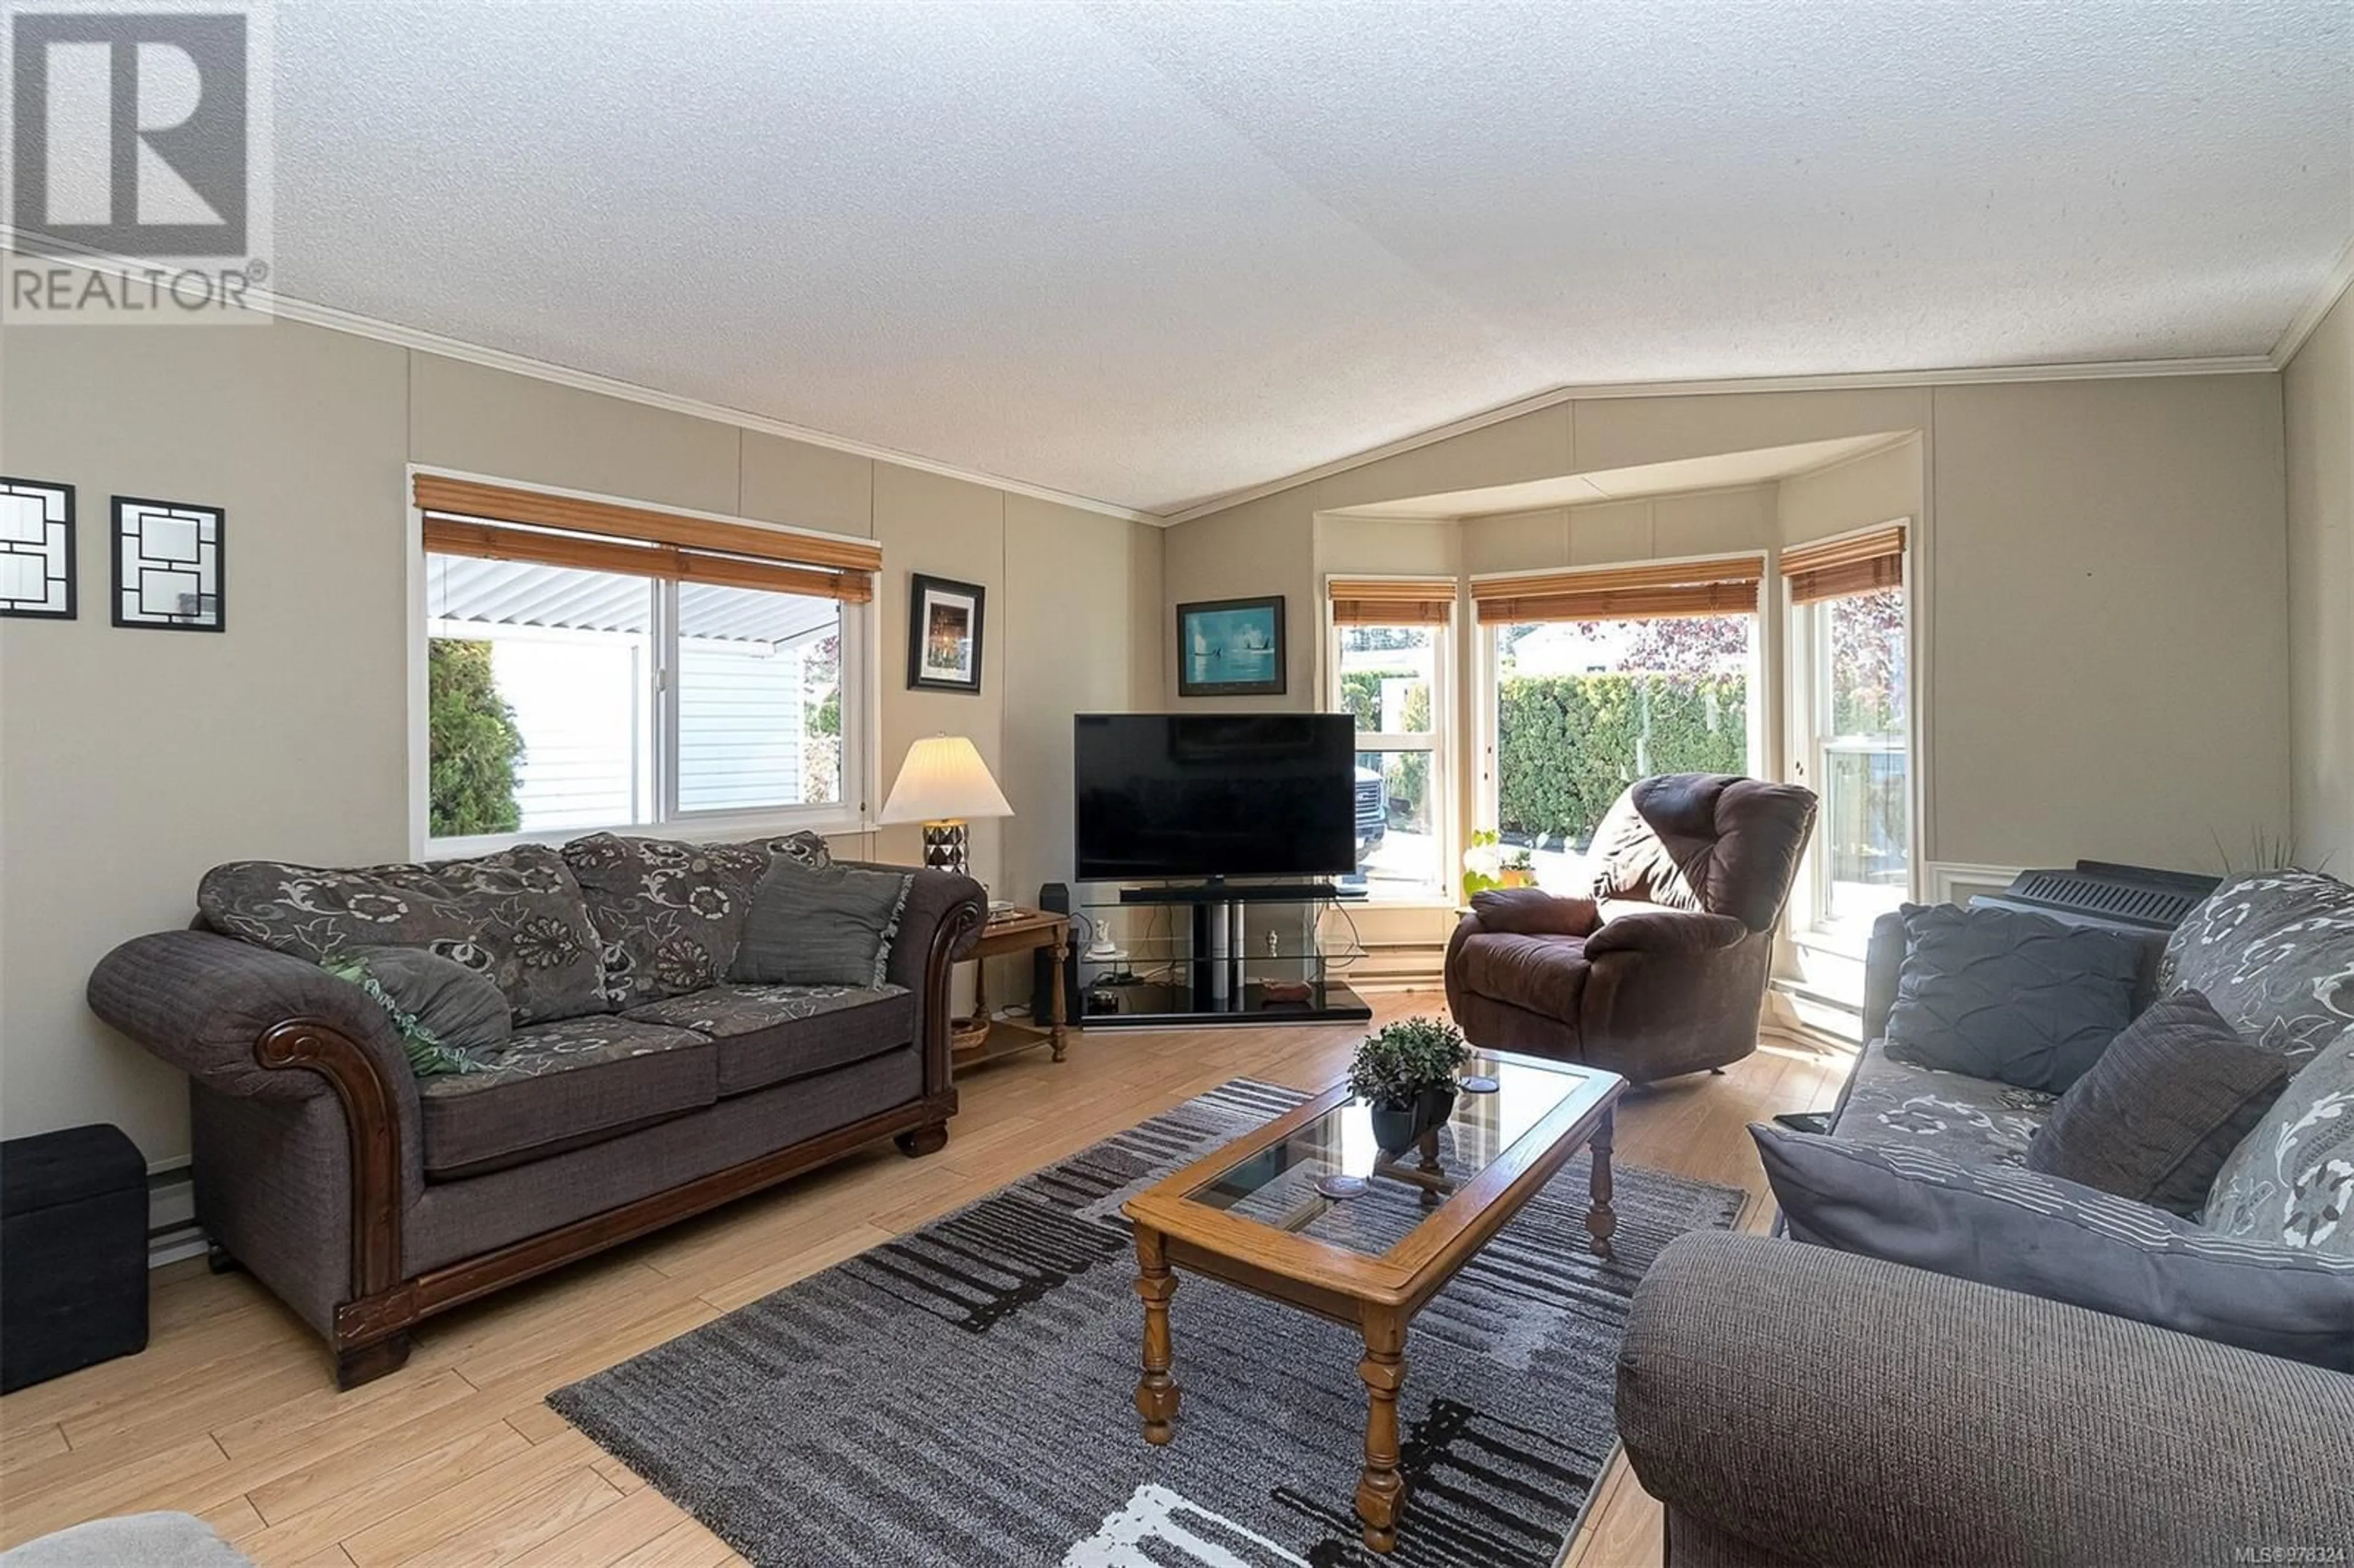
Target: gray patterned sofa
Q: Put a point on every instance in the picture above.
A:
(1796, 1404)
(631, 1084)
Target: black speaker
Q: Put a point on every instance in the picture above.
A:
(1054, 898)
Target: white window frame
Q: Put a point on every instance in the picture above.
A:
(1488, 683)
(860, 688)
(1444, 817)
(1808, 689)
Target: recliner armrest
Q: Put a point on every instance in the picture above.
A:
(1665, 931)
(1534, 912)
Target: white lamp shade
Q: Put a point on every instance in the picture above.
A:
(944, 781)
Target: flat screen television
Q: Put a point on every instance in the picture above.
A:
(1182, 795)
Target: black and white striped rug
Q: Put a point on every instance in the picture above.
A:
(962, 1396)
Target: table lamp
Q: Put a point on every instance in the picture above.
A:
(944, 784)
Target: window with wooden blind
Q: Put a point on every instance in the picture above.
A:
(1868, 562)
(1390, 659)
(1850, 724)
(1598, 677)
(594, 663)
(1645, 591)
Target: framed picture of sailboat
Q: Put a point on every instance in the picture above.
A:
(1230, 647)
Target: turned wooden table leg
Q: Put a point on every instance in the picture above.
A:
(1381, 1490)
(1428, 1146)
(1156, 1390)
(1601, 1218)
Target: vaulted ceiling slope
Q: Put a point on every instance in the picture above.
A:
(1158, 252)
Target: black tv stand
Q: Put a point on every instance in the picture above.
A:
(1218, 890)
(1204, 971)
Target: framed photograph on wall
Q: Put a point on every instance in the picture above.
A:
(1230, 647)
(943, 634)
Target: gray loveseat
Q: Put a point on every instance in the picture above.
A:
(1793, 1405)
(638, 1085)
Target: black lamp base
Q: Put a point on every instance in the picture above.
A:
(944, 848)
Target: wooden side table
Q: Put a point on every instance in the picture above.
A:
(982, 1037)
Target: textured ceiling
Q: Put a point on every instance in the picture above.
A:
(1150, 254)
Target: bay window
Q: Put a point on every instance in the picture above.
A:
(593, 665)
(1391, 667)
(1593, 679)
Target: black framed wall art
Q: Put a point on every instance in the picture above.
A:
(944, 625)
(1231, 648)
(37, 549)
(168, 565)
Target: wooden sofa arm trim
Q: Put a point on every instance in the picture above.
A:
(373, 1125)
(940, 971)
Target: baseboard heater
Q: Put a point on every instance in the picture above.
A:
(2133, 898)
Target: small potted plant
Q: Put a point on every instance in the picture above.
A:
(1405, 1072)
(1481, 863)
(1519, 870)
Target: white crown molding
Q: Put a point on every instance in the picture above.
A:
(2302, 324)
(2094, 370)
(328, 316)
(310, 313)
(420, 340)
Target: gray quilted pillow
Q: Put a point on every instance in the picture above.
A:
(1999, 993)
(2044, 1236)
(2292, 1179)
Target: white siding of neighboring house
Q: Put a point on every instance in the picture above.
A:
(578, 700)
(573, 655)
(740, 718)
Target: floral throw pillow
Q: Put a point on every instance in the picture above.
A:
(2292, 1179)
(669, 914)
(515, 918)
(2274, 953)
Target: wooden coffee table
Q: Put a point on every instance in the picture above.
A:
(1255, 1214)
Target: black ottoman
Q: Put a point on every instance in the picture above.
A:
(73, 1252)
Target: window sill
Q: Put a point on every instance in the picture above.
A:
(1847, 939)
(833, 826)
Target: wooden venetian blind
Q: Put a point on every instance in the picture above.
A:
(500, 523)
(1860, 563)
(1392, 601)
(1727, 585)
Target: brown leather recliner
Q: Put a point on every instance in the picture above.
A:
(1663, 969)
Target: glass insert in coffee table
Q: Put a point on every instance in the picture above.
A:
(1331, 1181)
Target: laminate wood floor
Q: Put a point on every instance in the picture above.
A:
(231, 1414)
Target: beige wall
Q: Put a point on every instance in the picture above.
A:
(2108, 588)
(1878, 487)
(1702, 523)
(2101, 580)
(132, 761)
(2317, 396)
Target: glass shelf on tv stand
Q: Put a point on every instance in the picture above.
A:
(1187, 956)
